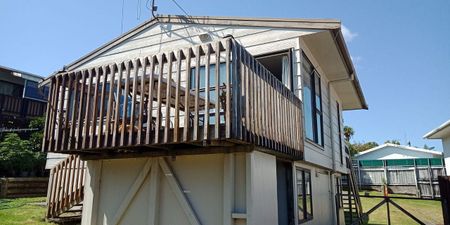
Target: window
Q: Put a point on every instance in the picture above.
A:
(32, 91)
(212, 88)
(338, 113)
(10, 89)
(312, 100)
(279, 64)
(304, 196)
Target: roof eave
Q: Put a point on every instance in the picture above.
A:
(350, 68)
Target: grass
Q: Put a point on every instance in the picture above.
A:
(428, 211)
(23, 211)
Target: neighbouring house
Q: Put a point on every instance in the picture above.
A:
(20, 98)
(442, 132)
(205, 120)
(394, 152)
(404, 169)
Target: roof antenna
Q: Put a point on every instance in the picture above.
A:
(154, 9)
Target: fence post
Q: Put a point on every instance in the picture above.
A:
(3, 187)
(359, 174)
(430, 172)
(385, 173)
(415, 179)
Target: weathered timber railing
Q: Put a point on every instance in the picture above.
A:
(66, 186)
(203, 94)
(19, 106)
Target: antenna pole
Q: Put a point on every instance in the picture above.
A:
(154, 9)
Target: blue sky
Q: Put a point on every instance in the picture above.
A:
(401, 49)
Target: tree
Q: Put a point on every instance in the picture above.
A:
(16, 154)
(348, 133)
(360, 147)
(393, 141)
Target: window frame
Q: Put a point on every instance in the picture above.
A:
(315, 86)
(306, 216)
(339, 118)
(289, 53)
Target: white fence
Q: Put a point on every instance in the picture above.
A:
(419, 180)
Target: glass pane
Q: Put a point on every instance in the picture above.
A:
(319, 128)
(317, 84)
(300, 195)
(318, 103)
(308, 195)
(32, 91)
(308, 113)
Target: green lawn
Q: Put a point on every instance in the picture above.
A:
(429, 211)
(23, 211)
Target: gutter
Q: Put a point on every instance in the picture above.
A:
(342, 47)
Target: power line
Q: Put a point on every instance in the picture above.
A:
(179, 6)
(121, 22)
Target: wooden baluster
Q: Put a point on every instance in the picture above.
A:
(109, 107)
(95, 108)
(105, 71)
(207, 86)
(48, 117)
(117, 106)
(87, 118)
(75, 107)
(136, 65)
(217, 87)
(60, 113)
(187, 95)
(228, 89)
(197, 84)
(159, 93)
(176, 126)
(124, 129)
(66, 112)
(150, 101)
(141, 103)
(168, 98)
(53, 109)
(83, 107)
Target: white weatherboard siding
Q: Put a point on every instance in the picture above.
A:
(446, 148)
(158, 39)
(323, 155)
(392, 152)
(322, 195)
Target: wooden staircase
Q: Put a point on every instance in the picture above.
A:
(66, 190)
(350, 198)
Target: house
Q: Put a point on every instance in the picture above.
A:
(404, 169)
(206, 120)
(390, 151)
(442, 132)
(20, 98)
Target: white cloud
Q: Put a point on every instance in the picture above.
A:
(356, 61)
(348, 34)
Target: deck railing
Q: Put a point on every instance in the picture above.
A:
(66, 186)
(199, 95)
(20, 107)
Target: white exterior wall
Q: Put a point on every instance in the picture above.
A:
(446, 150)
(323, 155)
(234, 188)
(323, 202)
(390, 152)
(205, 179)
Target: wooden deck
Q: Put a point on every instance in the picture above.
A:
(219, 95)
